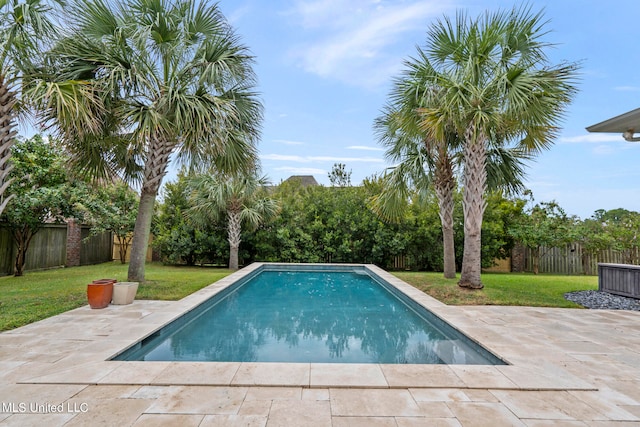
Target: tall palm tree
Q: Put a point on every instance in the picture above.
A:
(423, 162)
(494, 80)
(242, 198)
(150, 78)
(24, 28)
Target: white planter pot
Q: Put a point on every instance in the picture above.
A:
(124, 292)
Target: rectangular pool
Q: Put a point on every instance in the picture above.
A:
(314, 314)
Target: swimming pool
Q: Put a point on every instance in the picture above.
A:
(314, 314)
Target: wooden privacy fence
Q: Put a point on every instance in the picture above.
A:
(95, 249)
(51, 248)
(571, 259)
(152, 255)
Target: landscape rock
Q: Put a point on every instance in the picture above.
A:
(602, 300)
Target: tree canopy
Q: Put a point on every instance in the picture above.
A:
(42, 189)
(489, 79)
(139, 81)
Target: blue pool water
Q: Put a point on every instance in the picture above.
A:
(311, 316)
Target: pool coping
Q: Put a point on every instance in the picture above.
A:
(113, 329)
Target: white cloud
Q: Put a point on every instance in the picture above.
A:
(593, 138)
(353, 39)
(364, 147)
(345, 159)
(307, 159)
(627, 88)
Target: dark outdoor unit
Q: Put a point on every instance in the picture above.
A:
(619, 279)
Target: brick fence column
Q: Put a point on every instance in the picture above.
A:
(74, 237)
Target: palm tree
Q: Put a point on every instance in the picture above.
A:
(242, 198)
(423, 162)
(24, 26)
(147, 79)
(494, 82)
(422, 165)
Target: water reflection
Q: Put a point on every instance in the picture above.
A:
(312, 317)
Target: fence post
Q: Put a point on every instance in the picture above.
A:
(74, 243)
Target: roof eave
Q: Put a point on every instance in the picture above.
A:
(627, 122)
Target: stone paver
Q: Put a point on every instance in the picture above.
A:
(200, 400)
(233, 421)
(474, 376)
(421, 376)
(371, 403)
(193, 373)
(303, 414)
(364, 422)
(431, 422)
(36, 420)
(484, 414)
(567, 368)
(134, 373)
(109, 412)
(168, 420)
(546, 405)
(272, 374)
(440, 395)
(351, 375)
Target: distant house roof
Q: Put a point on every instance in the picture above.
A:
(305, 180)
(627, 124)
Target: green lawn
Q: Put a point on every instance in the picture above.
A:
(543, 290)
(41, 294)
(38, 295)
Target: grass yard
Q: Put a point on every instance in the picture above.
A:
(543, 290)
(41, 294)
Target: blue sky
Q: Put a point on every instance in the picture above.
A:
(325, 68)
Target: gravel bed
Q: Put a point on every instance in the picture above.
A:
(603, 300)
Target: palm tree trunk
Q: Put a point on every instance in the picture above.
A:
(449, 253)
(444, 184)
(234, 237)
(7, 139)
(155, 170)
(473, 204)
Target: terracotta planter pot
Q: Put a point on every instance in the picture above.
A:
(99, 281)
(100, 292)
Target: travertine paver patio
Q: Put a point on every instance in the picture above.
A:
(567, 368)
